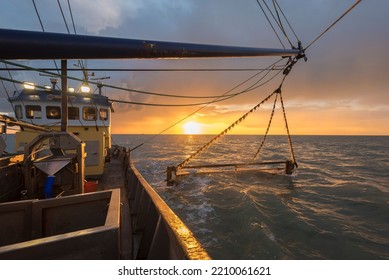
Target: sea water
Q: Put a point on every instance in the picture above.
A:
(336, 206)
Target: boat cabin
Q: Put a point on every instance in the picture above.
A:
(89, 118)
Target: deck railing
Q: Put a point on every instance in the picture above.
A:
(158, 232)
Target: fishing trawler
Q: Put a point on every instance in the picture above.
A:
(53, 214)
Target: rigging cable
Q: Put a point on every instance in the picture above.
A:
(268, 19)
(199, 109)
(169, 105)
(333, 24)
(81, 63)
(63, 16)
(159, 104)
(6, 92)
(10, 75)
(280, 25)
(286, 72)
(219, 99)
(43, 29)
(153, 69)
(224, 132)
(130, 90)
(39, 17)
(287, 21)
(71, 16)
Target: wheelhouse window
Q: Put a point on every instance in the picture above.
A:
(73, 113)
(33, 112)
(53, 112)
(103, 113)
(19, 111)
(89, 113)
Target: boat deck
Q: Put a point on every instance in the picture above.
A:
(133, 223)
(114, 178)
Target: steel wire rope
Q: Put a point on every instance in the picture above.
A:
(156, 104)
(250, 88)
(280, 25)
(39, 17)
(162, 105)
(121, 88)
(63, 16)
(71, 16)
(152, 69)
(217, 98)
(81, 63)
(224, 132)
(10, 75)
(6, 92)
(43, 28)
(286, 72)
(199, 109)
(74, 28)
(278, 91)
(287, 21)
(333, 24)
(269, 21)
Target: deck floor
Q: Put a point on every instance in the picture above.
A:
(114, 178)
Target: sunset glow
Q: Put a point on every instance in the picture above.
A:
(340, 90)
(192, 128)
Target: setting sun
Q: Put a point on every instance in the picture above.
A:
(192, 128)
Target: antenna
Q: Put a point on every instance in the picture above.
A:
(99, 82)
(53, 79)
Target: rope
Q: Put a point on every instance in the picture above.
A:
(131, 90)
(71, 15)
(287, 21)
(286, 72)
(155, 69)
(9, 98)
(43, 29)
(279, 22)
(39, 17)
(13, 82)
(334, 23)
(63, 16)
(215, 100)
(275, 32)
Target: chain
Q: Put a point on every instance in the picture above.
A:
(277, 92)
(224, 132)
(267, 129)
(287, 130)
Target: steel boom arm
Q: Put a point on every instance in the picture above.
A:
(18, 44)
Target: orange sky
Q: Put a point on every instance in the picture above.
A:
(341, 89)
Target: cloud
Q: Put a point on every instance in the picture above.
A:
(98, 15)
(345, 73)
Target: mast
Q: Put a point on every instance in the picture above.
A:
(64, 95)
(18, 44)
